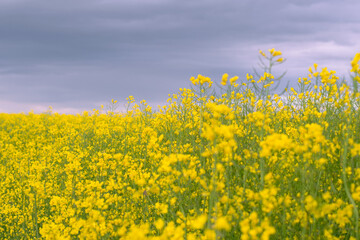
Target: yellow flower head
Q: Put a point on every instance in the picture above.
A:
(355, 63)
(262, 53)
(199, 222)
(222, 224)
(274, 53)
(233, 80)
(224, 79)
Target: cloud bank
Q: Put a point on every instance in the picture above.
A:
(76, 55)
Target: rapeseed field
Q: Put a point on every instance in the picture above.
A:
(241, 163)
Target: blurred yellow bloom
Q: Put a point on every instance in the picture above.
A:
(233, 80)
(222, 224)
(159, 224)
(262, 53)
(355, 63)
(224, 79)
(199, 222)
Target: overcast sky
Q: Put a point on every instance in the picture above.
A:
(76, 55)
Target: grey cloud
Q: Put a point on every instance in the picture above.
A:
(69, 52)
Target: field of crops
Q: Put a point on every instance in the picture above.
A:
(240, 163)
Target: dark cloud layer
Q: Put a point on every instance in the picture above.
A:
(75, 55)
